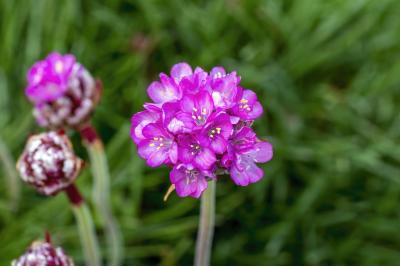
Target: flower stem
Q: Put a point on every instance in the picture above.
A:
(101, 192)
(206, 226)
(11, 175)
(85, 226)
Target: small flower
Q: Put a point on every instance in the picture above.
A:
(43, 254)
(225, 87)
(200, 124)
(48, 163)
(158, 146)
(139, 121)
(62, 90)
(216, 133)
(247, 107)
(188, 181)
(192, 151)
(244, 170)
(195, 109)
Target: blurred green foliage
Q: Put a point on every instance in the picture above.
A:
(328, 75)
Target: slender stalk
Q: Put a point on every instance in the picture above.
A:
(85, 227)
(206, 226)
(101, 193)
(11, 175)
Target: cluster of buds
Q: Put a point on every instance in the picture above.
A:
(48, 163)
(43, 254)
(63, 92)
(199, 123)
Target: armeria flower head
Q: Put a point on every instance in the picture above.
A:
(199, 123)
(43, 254)
(62, 90)
(48, 163)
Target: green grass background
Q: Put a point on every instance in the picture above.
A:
(327, 74)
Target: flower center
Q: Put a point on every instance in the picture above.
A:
(214, 131)
(218, 75)
(159, 142)
(191, 176)
(194, 148)
(244, 105)
(199, 116)
(59, 67)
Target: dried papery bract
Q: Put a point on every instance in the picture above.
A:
(43, 253)
(199, 124)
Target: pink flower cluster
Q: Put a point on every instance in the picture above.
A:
(199, 123)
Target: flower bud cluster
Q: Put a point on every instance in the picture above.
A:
(63, 92)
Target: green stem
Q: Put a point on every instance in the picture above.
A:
(87, 234)
(206, 226)
(11, 175)
(101, 195)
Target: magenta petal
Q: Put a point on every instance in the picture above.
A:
(139, 121)
(226, 160)
(202, 185)
(171, 86)
(176, 175)
(225, 91)
(153, 130)
(150, 153)
(217, 99)
(184, 123)
(153, 107)
(156, 92)
(256, 111)
(234, 119)
(160, 92)
(173, 153)
(157, 159)
(205, 159)
(200, 76)
(188, 182)
(250, 95)
(205, 101)
(239, 178)
(36, 72)
(180, 71)
(262, 152)
(254, 173)
(185, 155)
(169, 111)
(251, 173)
(219, 144)
(187, 103)
(176, 126)
(217, 72)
